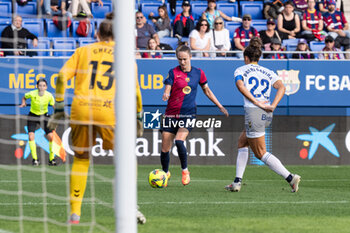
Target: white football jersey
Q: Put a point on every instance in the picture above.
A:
(258, 80)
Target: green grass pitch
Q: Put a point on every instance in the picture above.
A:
(265, 203)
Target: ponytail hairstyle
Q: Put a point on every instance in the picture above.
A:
(105, 30)
(253, 51)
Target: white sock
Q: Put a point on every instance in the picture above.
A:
(242, 159)
(275, 164)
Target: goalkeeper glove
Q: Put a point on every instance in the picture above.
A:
(58, 114)
(139, 124)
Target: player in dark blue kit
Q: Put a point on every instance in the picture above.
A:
(180, 92)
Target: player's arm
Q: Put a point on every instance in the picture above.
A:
(246, 93)
(138, 98)
(23, 104)
(212, 97)
(52, 101)
(139, 112)
(67, 72)
(60, 87)
(166, 93)
(280, 93)
(26, 96)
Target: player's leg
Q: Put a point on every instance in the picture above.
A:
(167, 143)
(242, 156)
(259, 148)
(180, 138)
(107, 135)
(31, 123)
(82, 139)
(52, 161)
(241, 163)
(49, 135)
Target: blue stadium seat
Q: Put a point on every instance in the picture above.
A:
(230, 9)
(97, 22)
(101, 11)
(170, 41)
(5, 9)
(35, 26)
(148, 7)
(259, 24)
(185, 39)
(255, 9)
(290, 42)
(43, 43)
(63, 43)
(291, 47)
(53, 31)
(75, 26)
(4, 22)
(85, 41)
(198, 8)
(231, 26)
(316, 46)
(26, 10)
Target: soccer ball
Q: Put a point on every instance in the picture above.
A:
(158, 179)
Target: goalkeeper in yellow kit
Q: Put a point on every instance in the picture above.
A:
(92, 110)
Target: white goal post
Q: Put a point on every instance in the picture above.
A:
(125, 107)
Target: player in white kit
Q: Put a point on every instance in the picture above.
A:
(255, 83)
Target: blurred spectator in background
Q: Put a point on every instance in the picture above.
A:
(45, 6)
(312, 23)
(300, 7)
(144, 32)
(211, 13)
(272, 8)
(220, 40)
(152, 45)
(270, 33)
(288, 22)
(200, 38)
(323, 6)
(14, 36)
(162, 22)
(81, 5)
(60, 8)
(172, 5)
(335, 21)
(184, 22)
(303, 47)
(276, 46)
(243, 34)
(337, 26)
(330, 46)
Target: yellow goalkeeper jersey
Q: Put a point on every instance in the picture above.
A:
(94, 88)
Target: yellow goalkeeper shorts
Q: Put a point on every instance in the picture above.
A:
(84, 137)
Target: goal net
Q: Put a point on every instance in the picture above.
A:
(36, 198)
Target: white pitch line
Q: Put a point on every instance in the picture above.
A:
(50, 204)
(245, 202)
(49, 181)
(195, 203)
(192, 180)
(4, 231)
